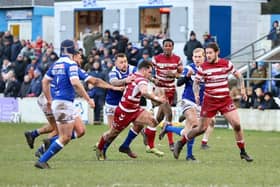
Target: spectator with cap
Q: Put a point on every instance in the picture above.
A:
(191, 45)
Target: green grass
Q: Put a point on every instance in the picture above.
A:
(77, 166)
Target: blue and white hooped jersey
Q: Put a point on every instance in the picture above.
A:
(60, 73)
(188, 91)
(114, 97)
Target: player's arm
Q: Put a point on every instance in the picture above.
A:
(76, 83)
(46, 88)
(102, 84)
(196, 90)
(122, 82)
(144, 91)
(241, 84)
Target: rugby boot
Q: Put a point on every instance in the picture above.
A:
(191, 158)
(171, 147)
(154, 150)
(29, 139)
(127, 151)
(246, 157)
(42, 165)
(178, 146)
(163, 131)
(204, 146)
(100, 155)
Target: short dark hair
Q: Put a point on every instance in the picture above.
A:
(145, 64)
(167, 40)
(214, 46)
(120, 55)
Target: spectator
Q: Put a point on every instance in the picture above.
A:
(107, 39)
(20, 66)
(260, 73)
(207, 39)
(98, 94)
(192, 44)
(8, 36)
(250, 99)
(27, 50)
(274, 34)
(146, 47)
(15, 49)
(36, 84)
(258, 99)
(156, 49)
(12, 86)
(120, 41)
(276, 74)
(25, 87)
(6, 67)
(268, 102)
(89, 41)
(89, 63)
(7, 49)
(133, 54)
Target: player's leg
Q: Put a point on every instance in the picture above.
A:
(132, 134)
(206, 135)
(65, 118)
(233, 118)
(146, 118)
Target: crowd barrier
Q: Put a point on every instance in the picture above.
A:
(26, 110)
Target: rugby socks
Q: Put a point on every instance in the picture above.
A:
(183, 139)
(101, 143)
(35, 133)
(52, 139)
(241, 145)
(130, 137)
(170, 135)
(151, 133)
(204, 139)
(176, 130)
(190, 147)
(55, 147)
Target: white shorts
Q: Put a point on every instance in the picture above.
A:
(187, 104)
(42, 102)
(64, 111)
(110, 109)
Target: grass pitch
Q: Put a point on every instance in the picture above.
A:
(76, 164)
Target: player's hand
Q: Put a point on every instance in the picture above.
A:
(91, 103)
(118, 88)
(243, 94)
(161, 99)
(129, 79)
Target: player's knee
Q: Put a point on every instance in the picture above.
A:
(237, 128)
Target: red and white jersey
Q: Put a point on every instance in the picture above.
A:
(215, 77)
(130, 101)
(163, 64)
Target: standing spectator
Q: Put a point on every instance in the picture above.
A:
(156, 49)
(7, 49)
(15, 49)
(107, 39)
(89, 41)
(20, 66)
(25, 87)
(133, 54)
(146, 47)
(120, 41)
(192, 44)
(274, 34)
(96, 93)
(207, 39)
(8, 36)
